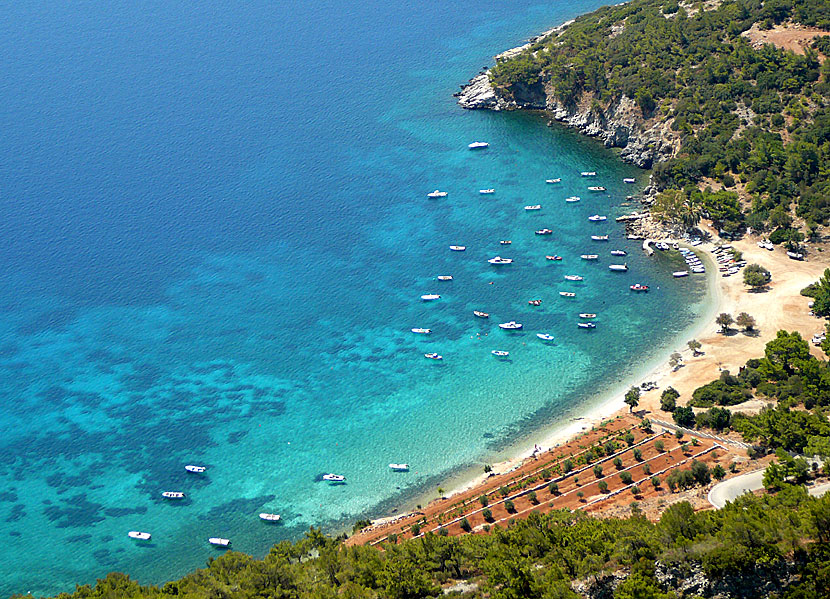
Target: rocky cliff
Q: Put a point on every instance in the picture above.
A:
(620, 124)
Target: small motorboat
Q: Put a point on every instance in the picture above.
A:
(481, 314)
(478, 145)
(173, 495)
(567, 294)
(505, 242)
(139, 536)
(195, 469)
(500, 260)
(618, 252)
(270, 517)
(596, 218)
(573, 199)
(535, 302)
(587, 315)
(533, 207)
(499, 353)
(511, 326)
(618, 267)
(680, 273)
(445, 277)
(422, 331)
(458, 248)
(219, 542)
(399, 467)
(430, 297)
(334, 478)
(437, 194)
(431, 356)
(553, 257)
(545, 336)
(599, 237)
(588, 174)
(596, 188)
(544, 232)
(629, 180)
(486, 191)
(589, 256)
(557, 180)
(574, 278)
(586, 325)
(638, 287)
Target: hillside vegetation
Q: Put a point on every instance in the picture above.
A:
(754, 121)
(750, 548)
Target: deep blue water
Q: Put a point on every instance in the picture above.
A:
(214, 235)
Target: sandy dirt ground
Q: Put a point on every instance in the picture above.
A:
(788, 37)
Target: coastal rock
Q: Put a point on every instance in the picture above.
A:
(478, 94)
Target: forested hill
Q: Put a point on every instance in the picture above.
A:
(752, 121)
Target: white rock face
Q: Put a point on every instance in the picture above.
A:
(478, 94)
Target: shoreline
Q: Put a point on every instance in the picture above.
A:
(723, 295)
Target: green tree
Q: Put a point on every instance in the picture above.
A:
(668, 399)
(695, 346)
(724, 320)
(756, 276)
(745, 321)
(718, 472)
(632, 398)
(603, 486)
(625, 477)
(684, 416)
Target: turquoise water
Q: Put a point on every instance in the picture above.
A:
(215, 235)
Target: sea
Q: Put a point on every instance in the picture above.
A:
(214, 237)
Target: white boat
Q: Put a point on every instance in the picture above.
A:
(618, 252)
(587, 315)
(195, 469)
(586, 325)
(505, 242)
(638, 287)
(574, 278)
(500, 354)
(588, 174)
(573, 199)
(422, 331)
(486, 191)
(478, 145)
(430, 297)
(511, 326)
(596, 188)
(431, 356)
(399, 467)
(481, 314)
(629, 180)
(597, 218)
(535, 302)
(458, 248)
(618, 267)
(139, 536)
(270, 517)
(795, 255)
(437, 194)
(545, 336)
(680, 273)
(500, 260)
(567, 294)
(556, 258)
(557, 180)
(589, 256)
(219, 542)
(544, 232)
(173, 495)
(334, 478)
(445, 277)
(533, 207)
(599, 237)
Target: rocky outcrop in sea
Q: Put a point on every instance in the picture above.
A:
(644, 140)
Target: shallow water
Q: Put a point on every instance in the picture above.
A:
(215, 234)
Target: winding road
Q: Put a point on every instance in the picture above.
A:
(730, 490)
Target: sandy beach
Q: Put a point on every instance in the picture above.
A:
(779, 307)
